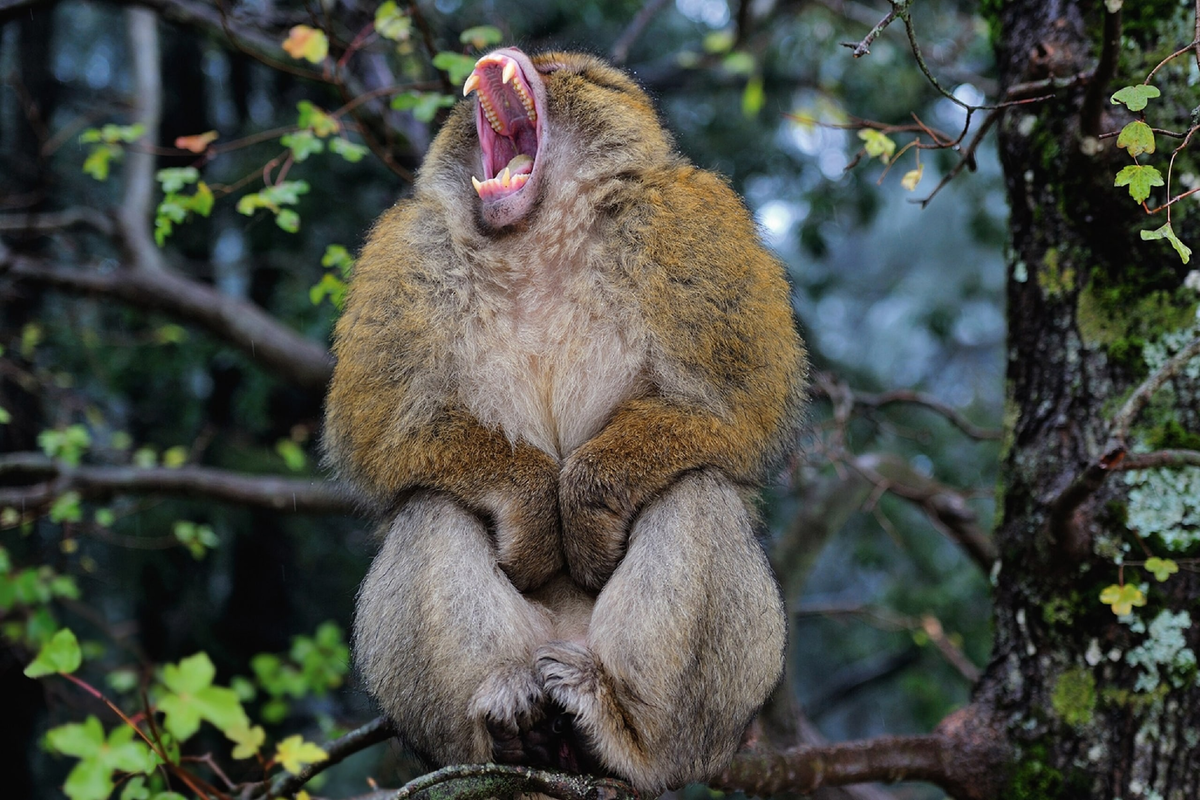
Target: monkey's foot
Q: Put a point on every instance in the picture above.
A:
(508, 702)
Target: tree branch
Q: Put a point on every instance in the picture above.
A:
(1160, 459)
(53, 221)
(1106, 68)
(137, 202)
(946, 508)
(933, 404)
(295, 495)
(1141, 396)
(241, 323)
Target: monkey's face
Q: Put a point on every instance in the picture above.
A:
(557, 121)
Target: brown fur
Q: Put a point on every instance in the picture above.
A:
(569, 409)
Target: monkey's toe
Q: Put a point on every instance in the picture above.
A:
(568, 672)
(509, 701)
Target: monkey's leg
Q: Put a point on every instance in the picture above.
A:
(686, 641)
(442, 637)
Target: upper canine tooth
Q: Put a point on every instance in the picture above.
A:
(510, 71)
(475, 182)
(472, 84)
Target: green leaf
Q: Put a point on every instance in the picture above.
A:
(135, 789)
(1135, 97)
(5, 416)
(1165, 232)
(1137, 138)
(1140, 179)
(65, 508)
(316, 119)
(717, 42)
(174, 179)
(338, 256)
(288, 220)
(175, 457)
(347, 149)
(79, 739)
(291, 453)
(392, 23)
(302, 143)
(196, 699)
(739, 63)
(97, 162)
(60, 654)
(456, 65)
(1162, 568)
(481, 36)
(330, 286)
(424, 105)
(202, 200)
(293, 753)
(753, 97)
(89, 780)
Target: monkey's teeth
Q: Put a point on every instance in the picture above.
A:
(510, 72)
(494, 188)
(473, 81)
(477, 184)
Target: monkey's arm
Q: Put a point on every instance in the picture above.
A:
(392, 421)
(726, 362)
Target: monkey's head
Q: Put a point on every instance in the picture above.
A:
(540, 128)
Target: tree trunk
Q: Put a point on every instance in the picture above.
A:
(1094, 705)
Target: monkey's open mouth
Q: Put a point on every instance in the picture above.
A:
(506, 119)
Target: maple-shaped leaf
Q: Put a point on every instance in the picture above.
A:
(1134, 97)
(293, 753)
(92, 777)
(248, 740)
(308, 43)
(1137, 138)
(1140, 179)
(1122, 598)
(194, 698)
(197, 143)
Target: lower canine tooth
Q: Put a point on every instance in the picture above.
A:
(506, 178)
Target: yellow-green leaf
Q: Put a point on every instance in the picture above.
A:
(1122, 598)
(248, 739)
(60, 654)
(1165, 232)
(293, 753)
(1137, 138)
(1140, 179)
(1135, 97)
(1162, 568)
(878, 144)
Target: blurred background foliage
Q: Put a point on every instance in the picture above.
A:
(888, 296)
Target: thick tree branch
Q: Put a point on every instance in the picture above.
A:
(137, 202)
(1106, 68)
(243, 324)
(54, 478)
(54, 221)
(964, 757)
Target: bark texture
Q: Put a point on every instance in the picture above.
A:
(1094, 705)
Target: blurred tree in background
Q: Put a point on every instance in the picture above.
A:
(183, 184)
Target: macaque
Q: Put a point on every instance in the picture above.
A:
(564, 367)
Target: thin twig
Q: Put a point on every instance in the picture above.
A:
(1141, 396)
(862, 48)
(633, 31)
(376, 731)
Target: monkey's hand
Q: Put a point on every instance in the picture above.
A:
(525, 521)
(597, 504)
